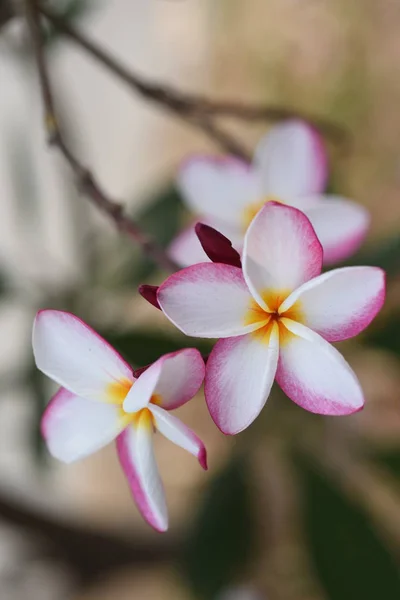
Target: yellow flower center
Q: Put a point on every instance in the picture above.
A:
(267, 318)
(250, 211)
(116, 394)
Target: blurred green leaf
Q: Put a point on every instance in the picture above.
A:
(387, 336)
(350, 559)
(386, 255)
(37, 385)
(24, 178)
(141, 347)
(222, 540)
(390, 460)
(4, 285)
(161, 218)
(70, 11)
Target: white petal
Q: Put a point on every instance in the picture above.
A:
(315, 375)
(186, 249)
(173, 429)
(341, 225)
(341, 303)
(174, 378)
(75, 427)
(136, 455)
(75, 356)
(181, 377)
(207, 300)
(239, 375)
(291, 160)
(281, 251)
(219, 187)
(142, 390)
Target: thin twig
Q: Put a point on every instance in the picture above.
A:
(194, 109)
(177, 103)
(88, 552)
(86, 181)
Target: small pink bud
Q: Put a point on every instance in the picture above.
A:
(149, 293)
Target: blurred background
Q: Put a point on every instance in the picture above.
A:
(299, 507)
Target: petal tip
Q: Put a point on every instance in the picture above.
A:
(202, 458)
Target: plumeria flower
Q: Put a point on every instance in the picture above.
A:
(290, 166)
(100, 400)
(276, 318)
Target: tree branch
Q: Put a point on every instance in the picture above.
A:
(194, 109)
(86, 181)
(89, 553)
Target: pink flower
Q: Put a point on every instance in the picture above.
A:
(100, 400)
(276, 319)
(290, 166)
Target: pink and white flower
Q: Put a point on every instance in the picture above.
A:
(276, 319)
(100, 400)
(290, 166)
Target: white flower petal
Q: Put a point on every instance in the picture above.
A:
(75, 427)
(219, 187)
(181, 377)
(281, 251)
(174, 379)
(239, 375)
(136, 455)
(186, 249)
(173, 429)
(340, 224)
(341, 303)
(207, 300)
(292, 160)
(315, 375)
(75, 356)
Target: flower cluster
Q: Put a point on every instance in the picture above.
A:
(266, 300)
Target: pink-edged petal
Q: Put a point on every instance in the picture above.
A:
(207, 300)
(173, 429)
(74, 427)
(219, 187)
(182, 374)
(292, 160)
(315, 375)
(75, 356)
(174, 378)
(341, 303)
(186, 249)
(341, 225)
(281, 251)
(144, 387)
(136, 455)
(239, 375)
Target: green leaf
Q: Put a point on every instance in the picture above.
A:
(350, 559)
(37, 384)
(161, 218)
(222, 540)
(386, 255)
(141, 347)
(390, 460)
(387, 337)
(70, 11)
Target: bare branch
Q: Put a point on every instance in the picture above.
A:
(86, 181)
(194, 109)
(90, 553)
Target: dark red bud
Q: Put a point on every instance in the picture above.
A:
(217, 247)
(137, 372)
(149, 293)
